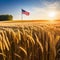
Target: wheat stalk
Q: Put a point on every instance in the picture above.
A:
(25, 52)
(17, 55)
(39, 43)
(3, 38)
(3, 54)
(30, 38)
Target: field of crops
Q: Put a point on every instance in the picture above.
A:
(29, 41)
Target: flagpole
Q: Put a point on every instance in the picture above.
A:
(21, 15)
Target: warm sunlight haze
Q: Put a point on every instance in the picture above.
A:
(52, 15)
(29, 29)
(38, 9)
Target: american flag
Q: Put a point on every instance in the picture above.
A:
(25, 12)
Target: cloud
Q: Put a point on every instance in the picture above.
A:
(54, 5)
(42, 13)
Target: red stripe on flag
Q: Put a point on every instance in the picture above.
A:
(25, 12)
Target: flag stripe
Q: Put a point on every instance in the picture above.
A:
(25, 12)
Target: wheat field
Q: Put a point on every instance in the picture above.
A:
(29, 41)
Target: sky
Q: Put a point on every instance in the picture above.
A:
(38, 9)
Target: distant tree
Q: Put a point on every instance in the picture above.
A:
(6, 17)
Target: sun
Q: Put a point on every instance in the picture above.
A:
(51, 15)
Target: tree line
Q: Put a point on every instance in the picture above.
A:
(6, 17)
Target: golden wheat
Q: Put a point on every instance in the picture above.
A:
(28, 37)
(39, 43)
(17, 55)
(25, 52)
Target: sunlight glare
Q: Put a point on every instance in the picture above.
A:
(52, 15)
